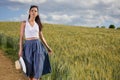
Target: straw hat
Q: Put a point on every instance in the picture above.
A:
(20, 64)
(17, 65)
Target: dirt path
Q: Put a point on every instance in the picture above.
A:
(8, 71)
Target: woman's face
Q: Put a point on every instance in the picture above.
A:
(33, 12)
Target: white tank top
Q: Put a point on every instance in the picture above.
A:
(31, 31)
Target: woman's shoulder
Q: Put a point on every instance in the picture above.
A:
(23, 23)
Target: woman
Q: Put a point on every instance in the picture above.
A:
(33, 51)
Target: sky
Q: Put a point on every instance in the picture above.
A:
(89, 13)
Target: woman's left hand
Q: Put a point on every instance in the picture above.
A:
(49, 50)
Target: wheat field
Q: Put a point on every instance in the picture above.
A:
(79, 53)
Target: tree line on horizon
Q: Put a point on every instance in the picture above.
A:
(111, 26)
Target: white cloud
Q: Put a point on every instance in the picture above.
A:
(43, 16)
(108, 1)
(29, 1)
(21, 18)
(64, 17)
(86, 3)
(114, 20)
(14, 8)
(61, 1)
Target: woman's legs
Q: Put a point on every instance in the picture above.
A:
(34, 79)
(37, 79)
(30, 78)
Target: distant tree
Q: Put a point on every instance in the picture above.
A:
(97, 26)
(102, 26)
(118, 27)
(112, 26)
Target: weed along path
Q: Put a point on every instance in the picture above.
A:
(7, 69)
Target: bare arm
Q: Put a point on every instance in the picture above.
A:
(21, 37)
(44, 41)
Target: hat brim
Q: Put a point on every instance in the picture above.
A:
(22, 64)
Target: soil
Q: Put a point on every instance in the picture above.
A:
(8, 71)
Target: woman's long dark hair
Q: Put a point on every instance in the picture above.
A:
(37, 19)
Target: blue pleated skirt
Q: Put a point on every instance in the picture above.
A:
(36, 58)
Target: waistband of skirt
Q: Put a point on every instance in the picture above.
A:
(32, 40)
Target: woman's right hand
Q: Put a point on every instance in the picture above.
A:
(20, 53)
